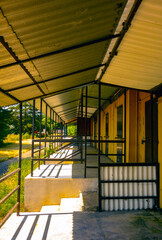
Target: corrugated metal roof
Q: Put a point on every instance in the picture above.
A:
(33, 28)
(139, 60)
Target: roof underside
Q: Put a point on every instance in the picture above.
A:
(52, 49)
(139, 60)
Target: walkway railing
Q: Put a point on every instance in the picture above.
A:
(9, 195)
(61, 142)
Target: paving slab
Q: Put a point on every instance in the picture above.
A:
(132, 225)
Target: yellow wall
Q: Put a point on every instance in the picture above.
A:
(142, 99)
(132, 126)
(160, 144)
(112, 110)
(135, 125)
(135, 128)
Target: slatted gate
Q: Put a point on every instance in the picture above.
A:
(129, 186)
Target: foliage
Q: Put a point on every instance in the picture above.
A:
(27, 116)
(10, 120)
(12, 138)
(26, 136)
(72, 130)
(5, 116)
(15, 137)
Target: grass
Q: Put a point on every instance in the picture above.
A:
(11, 149)
(9, 184)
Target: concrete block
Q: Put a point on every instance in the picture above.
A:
(49, 191)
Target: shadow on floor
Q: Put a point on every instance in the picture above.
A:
(133, 225)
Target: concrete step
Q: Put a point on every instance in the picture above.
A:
(71, 204)
(67, 205)
(50, 209)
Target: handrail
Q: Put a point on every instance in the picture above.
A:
(9, 195)
(35, 162)
(38, 150)
(79, 141)
(8, 214)
(9, 175)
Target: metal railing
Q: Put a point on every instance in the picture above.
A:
(58, 141)
(9, 195)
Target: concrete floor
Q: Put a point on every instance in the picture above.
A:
(68, 170)
(133, 225)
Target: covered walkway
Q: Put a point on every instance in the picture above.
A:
(83, 225)
(86, 62)
(63, 168)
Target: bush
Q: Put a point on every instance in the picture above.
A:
(15, 137)
(5, 116)
(72, 130)
(26, 136)
(12, 137)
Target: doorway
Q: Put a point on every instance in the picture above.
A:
(148, 157)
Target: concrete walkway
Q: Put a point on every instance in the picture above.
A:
(139, 225)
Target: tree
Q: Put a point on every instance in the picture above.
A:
(27, 116)
(5, 119)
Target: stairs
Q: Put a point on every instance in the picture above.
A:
(52, 222)
(67, 205)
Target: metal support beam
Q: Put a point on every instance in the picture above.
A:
(104, 99)
(45, 129)
(52, 126)
(85, 162)
(60, 105)
(55, 129)
(102, 39)
(33, 128)
(55, 78)
(82, 127)
(40, 129)
(152, 129)
(20, 156)
(91, 107)
(125, 123)
(126, 26)
(9, 95)
(99, 142)
(50, 122)
(18, 62)
(61, 132)
(63, 90)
